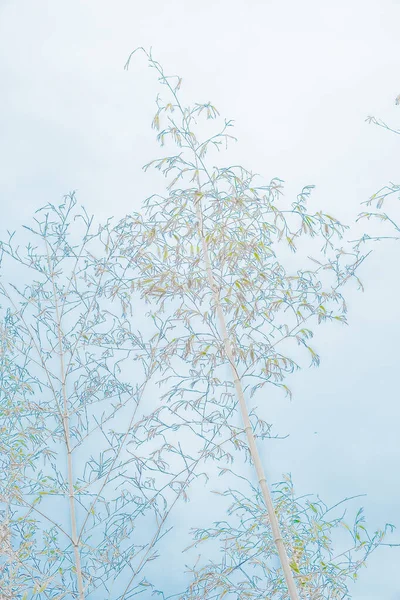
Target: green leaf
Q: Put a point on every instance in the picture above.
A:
(294, 566)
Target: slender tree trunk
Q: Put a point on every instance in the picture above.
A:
(65, 417)
(276, 532)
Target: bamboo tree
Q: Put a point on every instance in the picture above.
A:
(74, 408)
(211, 257)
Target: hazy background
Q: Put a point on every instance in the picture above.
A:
(299, 78)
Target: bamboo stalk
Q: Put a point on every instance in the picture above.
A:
(276, 532)
(65, 418)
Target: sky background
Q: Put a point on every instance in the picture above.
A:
(299, 79)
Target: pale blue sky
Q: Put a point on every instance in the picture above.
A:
(299, 78)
